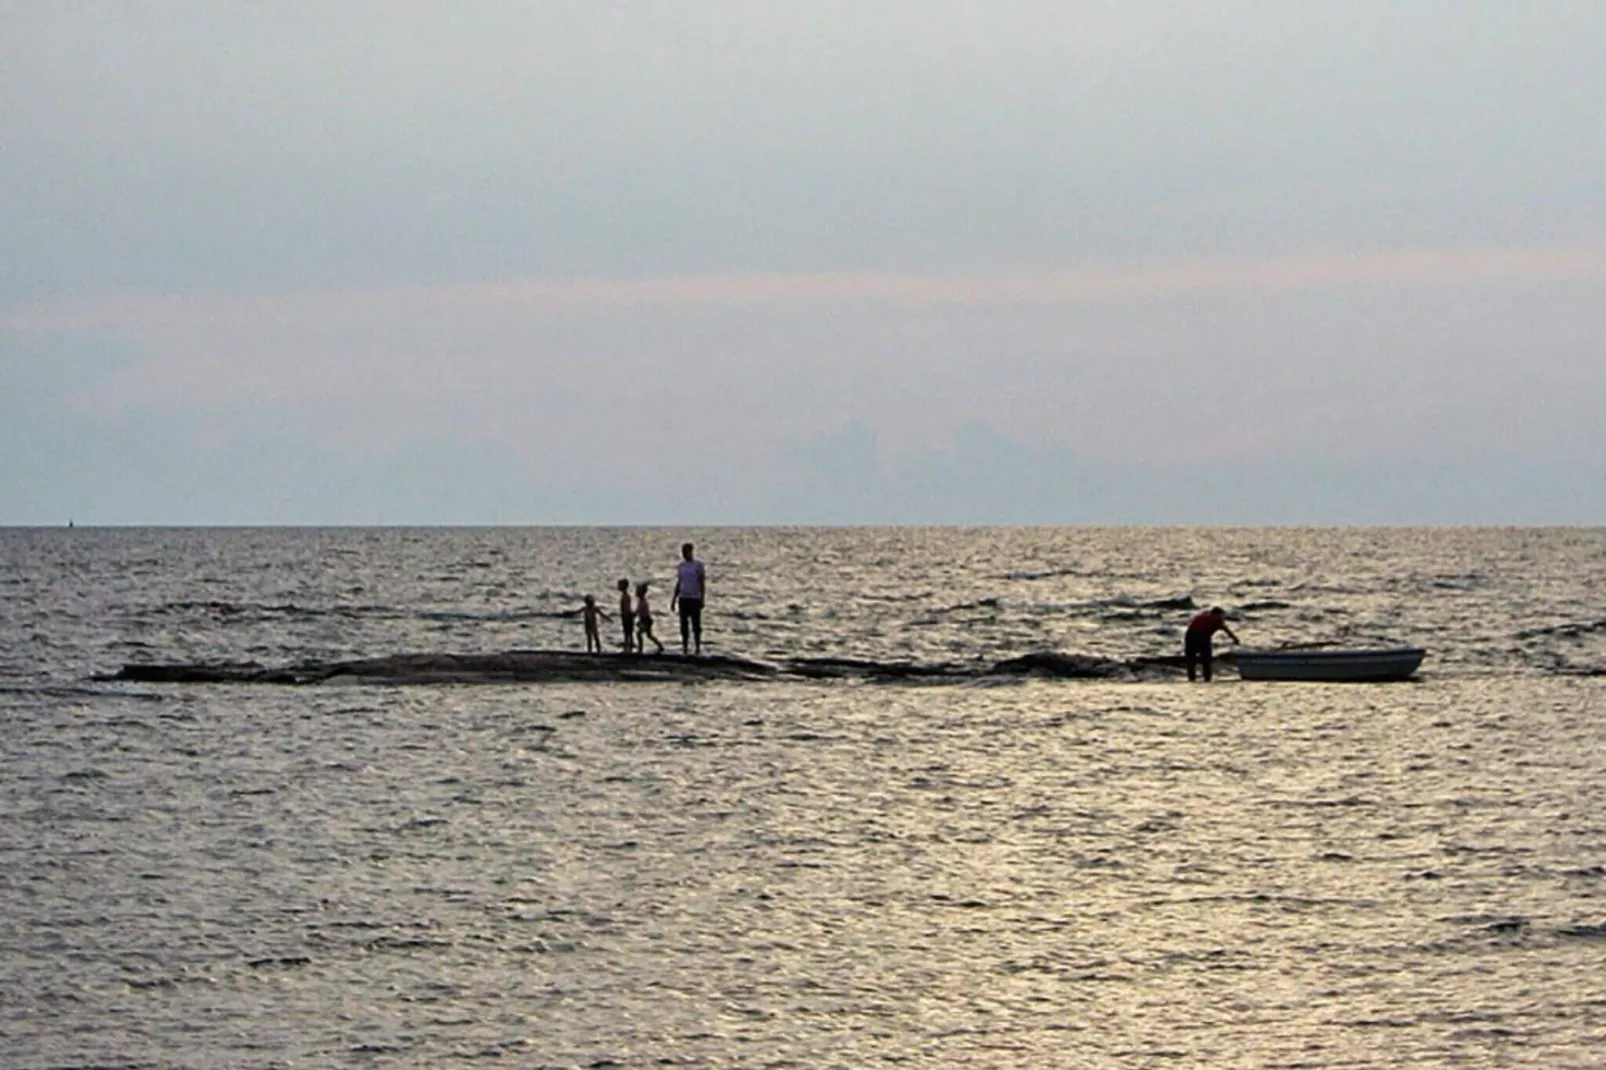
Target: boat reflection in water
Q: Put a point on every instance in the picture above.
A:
(1334, 666)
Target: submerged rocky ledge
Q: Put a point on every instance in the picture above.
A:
(558, 666)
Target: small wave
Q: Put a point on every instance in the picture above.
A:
(274, 611)
(1327, 588)
(1322, 804)
(1565, 631)
(100, 1065)
(121, 722)
(405, 943)
(885, 599)
(965, 607)
(258, 612)
(1506, 926)
(79, 692)
(147, 984)
(1126, 607)
(421, 823)
(279, 960)
(493, 615)
(84, 774)
(1050, 574)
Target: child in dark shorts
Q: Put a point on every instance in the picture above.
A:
(627, 616)
(644, 621)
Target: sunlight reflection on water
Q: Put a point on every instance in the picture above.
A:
(1031, 873)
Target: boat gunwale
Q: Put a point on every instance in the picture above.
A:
(1330, 666)
(1356, 653)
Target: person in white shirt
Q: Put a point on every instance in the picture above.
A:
(691, 586)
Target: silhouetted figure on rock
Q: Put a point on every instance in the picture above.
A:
(644, 621)
(1196, 644)
(691, 586)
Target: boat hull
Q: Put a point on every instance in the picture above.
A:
(1330, 666)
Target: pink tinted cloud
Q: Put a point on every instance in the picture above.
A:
(158, 314)
(542, 362)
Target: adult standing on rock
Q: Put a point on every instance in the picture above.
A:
(691, 586)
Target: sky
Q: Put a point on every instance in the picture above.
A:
(711, 261)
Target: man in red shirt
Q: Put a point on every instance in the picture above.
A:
(1196, 644)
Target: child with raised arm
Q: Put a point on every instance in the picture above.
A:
(644, 621)
(589, 613)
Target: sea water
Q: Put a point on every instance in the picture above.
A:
(836, 873)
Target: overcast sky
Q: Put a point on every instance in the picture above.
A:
(728, 262)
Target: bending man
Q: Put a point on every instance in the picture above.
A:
(691, 584)
(1196, 644)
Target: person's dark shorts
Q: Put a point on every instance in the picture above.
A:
(691, 613)
(1196, 646)
(627, 621)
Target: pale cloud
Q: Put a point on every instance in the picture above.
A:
(1243, 276)
(1248, 355)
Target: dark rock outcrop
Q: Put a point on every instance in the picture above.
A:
(558, 666)
(515, 666)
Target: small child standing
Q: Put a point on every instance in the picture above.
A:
(627, 616)
(644, 621)
(589, 613)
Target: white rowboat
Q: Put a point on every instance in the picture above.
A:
(1334, 666)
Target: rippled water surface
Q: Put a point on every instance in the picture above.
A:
(1001, 874)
